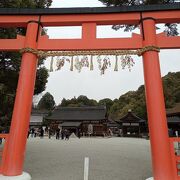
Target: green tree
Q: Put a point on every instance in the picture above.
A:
(171, 29)
(171, 85)
(63, 103)
(106, 102)
(85, 101)
(10, 61)
(41, 80)
(78, 102)
(46, 102)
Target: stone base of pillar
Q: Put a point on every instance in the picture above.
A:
(151, 178)
(24, 176)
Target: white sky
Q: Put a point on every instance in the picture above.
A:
(67, 84)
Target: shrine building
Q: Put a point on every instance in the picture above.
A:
(173, 119)
(132, 125)
(83, 119)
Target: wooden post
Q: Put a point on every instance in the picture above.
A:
(15, 152)
(160, 145)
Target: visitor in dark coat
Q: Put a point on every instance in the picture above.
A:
(41, 133)
(79, 133)
(66, 134)
(62, 134)
(57, 133)
(28, 133)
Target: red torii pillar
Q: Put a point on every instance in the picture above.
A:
(160, 145)
(15, 151)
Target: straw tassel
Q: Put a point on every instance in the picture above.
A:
(51, 64)
(91, 64)
(71, 68)
(116, 64)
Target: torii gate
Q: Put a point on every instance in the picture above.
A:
(163, 159)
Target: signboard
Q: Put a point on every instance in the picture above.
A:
(130, 124)
(126, 124)
(90, 129)
(134, 124)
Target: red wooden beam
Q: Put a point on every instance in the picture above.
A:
(12, 44)
(171, 42)
(163, 16)
(70, 20)
(89, 44)
(16, 21)
(4, 135)
(99, 19)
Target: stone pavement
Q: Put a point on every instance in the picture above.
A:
(109, 158)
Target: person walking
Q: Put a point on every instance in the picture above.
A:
(57, 133)
(32, 132)
(49, 132)
(35, 132)
(41, 132)
(67, 134)
(79, 133)
(62, 134)
(28, 133)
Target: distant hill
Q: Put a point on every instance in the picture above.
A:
(135, 100)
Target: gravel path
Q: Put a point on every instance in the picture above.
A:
(109, 159)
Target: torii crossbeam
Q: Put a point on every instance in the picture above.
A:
(164, 167)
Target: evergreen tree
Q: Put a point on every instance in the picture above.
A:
(78, 102)
(106, 102)
(10, 62)
(170, 29)
(46, 102)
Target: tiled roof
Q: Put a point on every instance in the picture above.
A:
(130, 117)
(39, 112)
(35, 119)
(79, 113)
